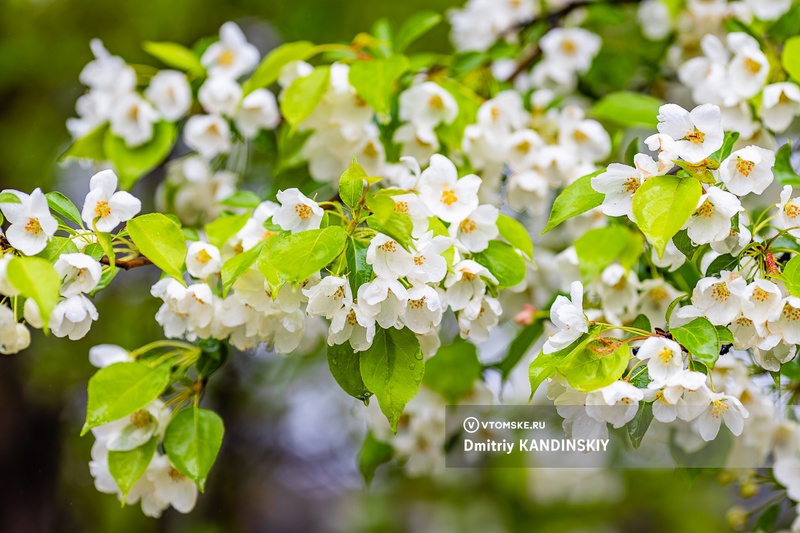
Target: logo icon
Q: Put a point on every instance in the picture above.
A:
(471, 424)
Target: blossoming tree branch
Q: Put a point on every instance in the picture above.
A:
(399, 196)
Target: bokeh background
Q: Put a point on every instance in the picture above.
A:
(289, 458)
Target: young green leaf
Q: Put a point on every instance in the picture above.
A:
(516, 234)
(298, 256)
(351, 184)
(598, 364)
(503, 262)
(133, 163)
(783, 170)
(242, 198)
(577, 198)
(37, 279)
(453, 371)
(373, 454)
(791, 276)
(234, 267)
(662, 205)
(270, 68)
(57, 246)
(519, 347)
(161, 240)
(302, 96)
(468, 102)
(375, 80)
(64, 207)
(223, 228)
(545, 365)
(392, 368)
(700, 338)
(127, 467)
(599, 247)
(387, 220)
(345, 366)
(122, 388)
(628, 109)
(637, 428)
(90, 146)
(415, 27)
(192, 442)
(790, 59)
(175, 55)
(359, 271)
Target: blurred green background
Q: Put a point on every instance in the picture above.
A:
(265, 479)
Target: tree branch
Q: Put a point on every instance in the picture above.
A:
(127, 265)
(553, 18)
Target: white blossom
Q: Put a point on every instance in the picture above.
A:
(79, 273)
(232, 55)
(32, 225)
(297, 212)
(697, 133)
(107, 205)
(567, 315)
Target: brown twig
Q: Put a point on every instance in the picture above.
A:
(127, 265)
(553, 18)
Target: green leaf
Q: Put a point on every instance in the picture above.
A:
(768, 518)
(64, 207)
(298, 256)
(631, 151)
(700, 338)
(642, 322)
(468, 103)
(270, 68)
(175, 55)
(723, 262)
(392, 368)
(359, 271)
(727, 146)
(122, 388)
(783, 170)
(516, 234)
(290, 148)
(503, 262)
(223, 228)
(302, 96)
(628, 109)
(790, 59)
(545, 365)
(787, 25)
(161, 240)
(234, 267)
(415, 27)
(791, 276)
(373, 454)
(599, 247)
(90, 146)
(351, 184)
(596, 365)
(685, 245)
(36, 278)
(192, 442)
(57, 246)
(213, 356)
(519, 347)
(375, 80)
(9, 198)
(640, 423)
(242, 198)
(345, 366)
(387, 220)
(725, 335)
(577, 198)
(133, 163)
(662, 205)
(107, 244)
(127, 467)
(452, 372)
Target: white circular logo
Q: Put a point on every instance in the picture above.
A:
(471, 424)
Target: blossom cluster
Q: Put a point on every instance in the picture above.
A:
(32, 229)
(412, 285)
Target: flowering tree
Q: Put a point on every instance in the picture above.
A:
(399, 194)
